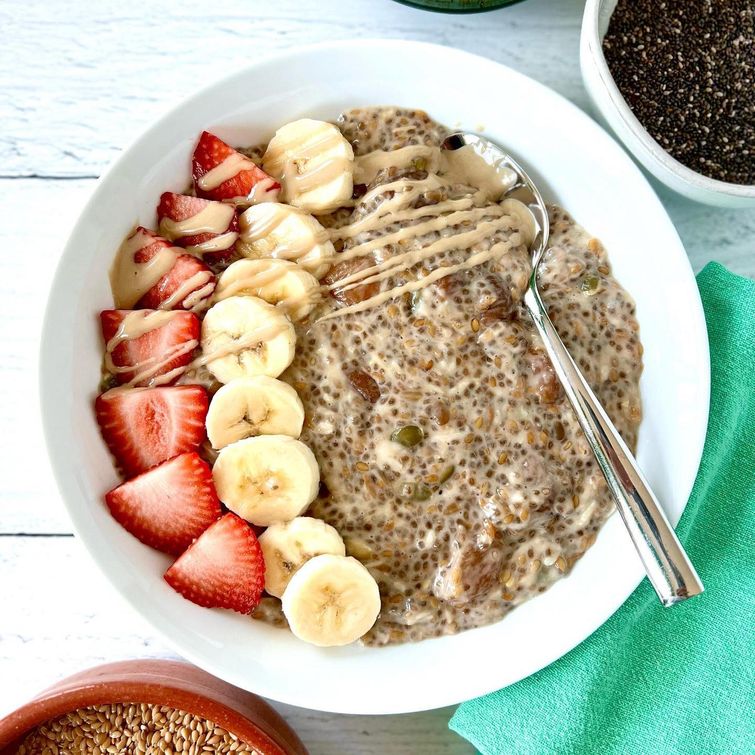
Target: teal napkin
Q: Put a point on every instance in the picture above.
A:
(658, 681)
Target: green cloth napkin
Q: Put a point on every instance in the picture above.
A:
(677, 680)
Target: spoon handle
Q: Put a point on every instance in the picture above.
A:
(669, 569)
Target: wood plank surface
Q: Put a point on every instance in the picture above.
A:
(78, 81)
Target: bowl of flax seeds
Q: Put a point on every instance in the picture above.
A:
(142, 707)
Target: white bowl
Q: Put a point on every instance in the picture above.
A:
(648, 258)
(615, 111)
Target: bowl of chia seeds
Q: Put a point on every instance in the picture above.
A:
(146, 706)
(675, 81)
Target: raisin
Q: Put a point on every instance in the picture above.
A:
(343, 270)
(364, 385)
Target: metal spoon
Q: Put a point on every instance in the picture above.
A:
(667, 565)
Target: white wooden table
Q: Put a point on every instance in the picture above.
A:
(77, 81)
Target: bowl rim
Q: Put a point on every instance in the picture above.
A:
(591, 42)
(62, 473)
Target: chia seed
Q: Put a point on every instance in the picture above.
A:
(685, 67)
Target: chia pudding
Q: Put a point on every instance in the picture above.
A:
(325, 395)
(451, 462)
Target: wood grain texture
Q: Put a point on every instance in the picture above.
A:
(78, 81)
(81, 79)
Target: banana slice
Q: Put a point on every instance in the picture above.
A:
(267, 479)
(314, 164)
(243, 336)
(252, 406)
(277, 230)
(286, 547)
(276, 281)
(331, 600)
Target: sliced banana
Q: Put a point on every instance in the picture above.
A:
(331, 600)
(266, 479)
(286, 546)
(258, 405)
(276, 281)
(243, 336)
(283, 232)
(314, 164)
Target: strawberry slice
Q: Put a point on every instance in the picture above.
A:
(211, 152)
(224, 568)
(168, 340)
(185, 286)
(169, 506)
(179, 207)
(144, 427)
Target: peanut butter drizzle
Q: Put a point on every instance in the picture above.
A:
(269, 222)
(322, 174)
(438, 223)
(368, 166)
(214, 218)
(297, 164)
(446, 168)
(193, 293)
(254, 282)
(218, 244)
(407, 260)
(230, 167)
(480, 258)
(134, 325)
(130, 279)
(253, 338)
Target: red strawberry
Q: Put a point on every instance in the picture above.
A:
(144, 427)
(166, 345)
(224, 568)
(211, 152)
(178, 207)
(168, 506)
(186, 284)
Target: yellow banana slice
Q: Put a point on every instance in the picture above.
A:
(258, 405)
(266, 479)
(279, 231)
(276, 281)
(286, 546)
(331, 600)
(314, 163)
(243, 336)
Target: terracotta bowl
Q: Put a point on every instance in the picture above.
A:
(170, 683)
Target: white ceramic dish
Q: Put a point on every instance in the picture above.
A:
(609, 198)
(609, 102)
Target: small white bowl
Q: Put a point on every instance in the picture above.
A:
(615, 111)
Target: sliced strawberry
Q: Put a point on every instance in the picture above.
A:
(169, 506)
(185, 285)
(224, 568)
(211, 152)
(165, 346)
(178, 207)
(144, 427)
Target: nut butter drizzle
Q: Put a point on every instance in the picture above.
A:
(215, 218)
(130, 279)
(306, 172)
(230, 167)
(134, 325)
(266, 224)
